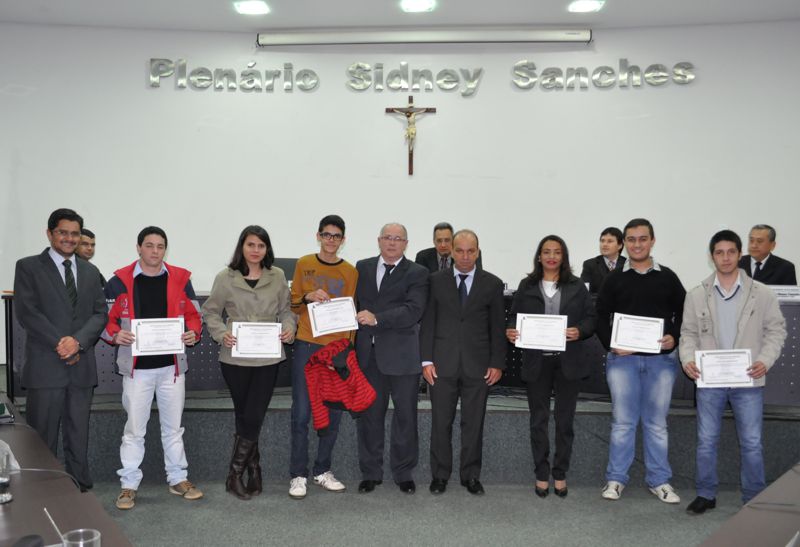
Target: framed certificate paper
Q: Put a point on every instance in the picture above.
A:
(545, 332)
(256, 340)
(335, 315)
(637, 333)
(723, 368)
(157, 336)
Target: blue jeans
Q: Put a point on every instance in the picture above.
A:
(748, 407)
(641, 389)
(301, 414)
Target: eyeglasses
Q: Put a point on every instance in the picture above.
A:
(395, 239)
(327, 236)
(64, 233)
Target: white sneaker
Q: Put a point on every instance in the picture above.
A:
(297, 488)
(329, 482)
(613, 490)
(665, 493)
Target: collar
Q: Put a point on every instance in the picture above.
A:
(58, 259)
(763, 262)
(629, 266)
(727, 295)
(469, 274)
(608, 261)
(138, 270)
(381, 261)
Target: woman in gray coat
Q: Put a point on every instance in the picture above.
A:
(250, 289)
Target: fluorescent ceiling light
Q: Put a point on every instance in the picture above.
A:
(251, 7)
(422, 36)
(417, 6)
(585, 6)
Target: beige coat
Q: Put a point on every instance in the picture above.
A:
(267, 302)
(761, 327)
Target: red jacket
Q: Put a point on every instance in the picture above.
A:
(326, 385)
(180, 302)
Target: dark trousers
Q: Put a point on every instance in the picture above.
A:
(551, 380)
(251, 390)
(444, 395)
(404, 438)
(68, 407)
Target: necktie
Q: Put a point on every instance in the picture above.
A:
(389, 268)
(462, 289)
(612, 264)
(443, 263)
(69, 281)
(757, 273)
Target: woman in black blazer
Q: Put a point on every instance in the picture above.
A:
(553, 289)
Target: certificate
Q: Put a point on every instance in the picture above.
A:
(335, 315)
(545, 332)
(723, 368)
(637, 333)
(157, 336)
(256, 340)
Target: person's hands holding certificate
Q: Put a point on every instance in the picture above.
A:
(573, 334)
(124, 338)
(757, 370)
(287, 336)
(316, 296)
(189, 338)
(228, 340)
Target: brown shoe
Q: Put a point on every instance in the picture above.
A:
(186, 490)
(125, 499)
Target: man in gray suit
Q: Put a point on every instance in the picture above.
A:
(59, 302)
(463, 353)
(391, 294)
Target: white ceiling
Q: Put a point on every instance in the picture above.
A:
(218, 15)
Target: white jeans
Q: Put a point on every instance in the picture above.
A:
(137, 398)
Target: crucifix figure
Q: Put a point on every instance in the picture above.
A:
(410, 112)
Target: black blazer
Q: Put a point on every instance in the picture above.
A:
(45, 312)
(777, 271)
(398, 307)
(576, 304)
(464, 341)
(595, 271)
(430, 259)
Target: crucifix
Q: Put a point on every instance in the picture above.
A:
(410, 112)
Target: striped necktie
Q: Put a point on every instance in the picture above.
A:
(69, 281)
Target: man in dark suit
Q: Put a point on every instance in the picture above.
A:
(761, 264)
(438, 257)
(596, 269)
(60, 304)
(463, 353)
(391, 294)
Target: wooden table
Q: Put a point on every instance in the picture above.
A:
(35, 490)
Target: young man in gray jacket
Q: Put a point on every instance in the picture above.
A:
(730, 311)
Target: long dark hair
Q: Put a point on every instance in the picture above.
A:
(238, 261)
(564, 272)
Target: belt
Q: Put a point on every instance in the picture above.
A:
(551, 353)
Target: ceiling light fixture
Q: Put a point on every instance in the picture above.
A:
(585, 6)
(251, 7)
(447, 35)
(417, 6)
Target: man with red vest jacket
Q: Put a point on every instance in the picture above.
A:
(151, 289)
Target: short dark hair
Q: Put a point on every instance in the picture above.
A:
(87, 232)
(238, 261)
(564, 272)
(150, 230)
(331, 220)
(636, 222)
(613, 231)
(766, 227)
(725, 235)
(63, 214)
(443, 226)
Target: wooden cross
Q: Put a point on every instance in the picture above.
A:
(410, 112)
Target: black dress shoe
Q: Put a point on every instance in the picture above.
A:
(407, 487)
(473, 486)
(700, 505)
(438, 486)
(541, 492)
(367, 486)
(561, 492)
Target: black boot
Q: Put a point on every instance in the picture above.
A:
(254, 484)
(242, 450)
